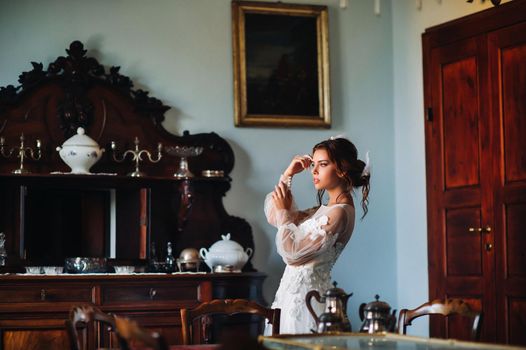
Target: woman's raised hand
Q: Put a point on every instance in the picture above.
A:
(298, 164)
(282, 197)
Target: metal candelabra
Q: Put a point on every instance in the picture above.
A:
(136, 156)
(184, 152)
(21, 152)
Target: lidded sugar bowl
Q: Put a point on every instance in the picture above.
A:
(80, 152)
(226, 255)
(189, 260)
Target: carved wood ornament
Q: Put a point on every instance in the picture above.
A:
(77, 91)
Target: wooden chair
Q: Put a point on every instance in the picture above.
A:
(226, 307)
(131, 334)
(84, 322)
(446, 308)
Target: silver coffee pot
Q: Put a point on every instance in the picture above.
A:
(334, 317)
(377, 317)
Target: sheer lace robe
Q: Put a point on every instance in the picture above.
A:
(309, 242)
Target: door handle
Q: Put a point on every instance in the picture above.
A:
(485, 229)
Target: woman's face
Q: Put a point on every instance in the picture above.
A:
(324, 171)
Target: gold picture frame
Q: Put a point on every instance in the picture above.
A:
(281, 64)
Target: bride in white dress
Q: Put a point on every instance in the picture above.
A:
(310, 241)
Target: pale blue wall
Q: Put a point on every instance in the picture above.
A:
(180, 51)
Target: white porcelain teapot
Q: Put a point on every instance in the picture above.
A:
(226, 255)
(80, 152)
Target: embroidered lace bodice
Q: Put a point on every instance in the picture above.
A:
(309, 242)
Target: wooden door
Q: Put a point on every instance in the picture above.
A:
(459, 183)
(507, 62)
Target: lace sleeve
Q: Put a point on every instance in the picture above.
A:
(277, 217)
(298, 245)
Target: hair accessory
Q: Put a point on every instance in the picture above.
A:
(367, 169)
(339, 136)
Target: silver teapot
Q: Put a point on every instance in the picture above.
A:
(376, 317)
(334, 318)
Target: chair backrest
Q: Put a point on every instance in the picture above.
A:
(131, 334)
(84, 319)
(226, 307)
(446, 308)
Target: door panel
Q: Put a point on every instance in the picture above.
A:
(463, 255)
(517, 320)
(507, 61)
(456, 151)
(460, 121)
(513, 70)
(516, 240)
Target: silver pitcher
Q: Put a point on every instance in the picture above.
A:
(334, 317)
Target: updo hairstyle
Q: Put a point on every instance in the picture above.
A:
(345, 155)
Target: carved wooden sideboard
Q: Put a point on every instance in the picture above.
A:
(33, 308)
(49, 215)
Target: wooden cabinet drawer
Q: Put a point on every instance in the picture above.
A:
(28, 294)
(123, 294)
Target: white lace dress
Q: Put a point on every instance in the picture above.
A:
(309, 242)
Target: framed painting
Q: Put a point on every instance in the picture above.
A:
(281, 64)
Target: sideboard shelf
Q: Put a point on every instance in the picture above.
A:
(100, 181)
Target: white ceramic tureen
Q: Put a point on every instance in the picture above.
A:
(80, 152)
(226, 255)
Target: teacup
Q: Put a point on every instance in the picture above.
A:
(124, 269)
(34, 270)
(53, 270)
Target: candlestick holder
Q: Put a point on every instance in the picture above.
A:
(3, 250)
(136, 156)
(184, 152)
(22, 152)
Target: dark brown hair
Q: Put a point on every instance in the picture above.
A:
(345, 155)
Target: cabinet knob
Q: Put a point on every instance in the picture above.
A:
(43, 294)
(486, 229)
(488, 247)
(152, 293)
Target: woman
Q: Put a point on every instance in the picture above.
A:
(310, 241)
